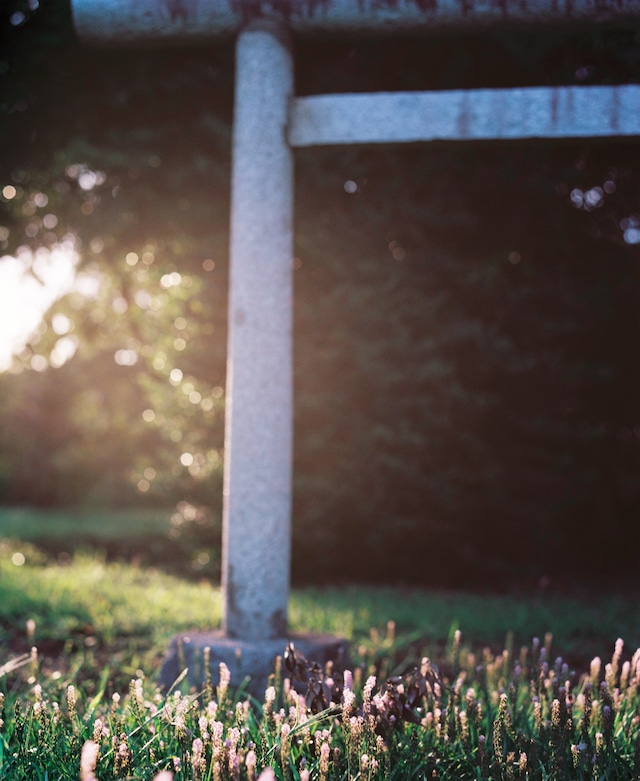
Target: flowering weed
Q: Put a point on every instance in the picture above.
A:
(484, 717)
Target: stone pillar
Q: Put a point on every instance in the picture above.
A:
(259, 413)
(259, 416)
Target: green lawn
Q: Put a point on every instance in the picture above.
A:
(90, 604)
(31, 524)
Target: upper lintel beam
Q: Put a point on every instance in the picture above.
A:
(158, 22)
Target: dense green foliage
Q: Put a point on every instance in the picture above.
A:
(465, 319)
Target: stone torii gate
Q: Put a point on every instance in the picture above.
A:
(269, 121)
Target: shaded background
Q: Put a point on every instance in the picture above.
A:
(466, 315)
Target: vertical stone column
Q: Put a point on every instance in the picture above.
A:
(259, 413)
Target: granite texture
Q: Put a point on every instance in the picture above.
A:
(256, 534)
(250, 663)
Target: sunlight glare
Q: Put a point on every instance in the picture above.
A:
(24, 300)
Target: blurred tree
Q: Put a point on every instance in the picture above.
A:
(465, 324)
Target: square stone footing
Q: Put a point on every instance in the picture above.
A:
(253, 660)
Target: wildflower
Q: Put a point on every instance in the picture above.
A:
(464, 726)
(71, 700)
(575, 755)
(348, 679)
(267, 710)
(225, 679)
(324, 761)
(165, 775)
(166, 714)
(250, 764)
(555, 713)
(617, 653)
(355, 738)
(100, 730)
(599, 747)
(267, 775)
(624, 675)
(179, 718)
(136, 692)
(88, 760)
(270, 696)
(217, 730)
(231, 745)
(123, 755)
(198, 761)
(285, 748)
(367, 691)
(348, 698)
(522, 762)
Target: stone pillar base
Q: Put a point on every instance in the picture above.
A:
(253, 660)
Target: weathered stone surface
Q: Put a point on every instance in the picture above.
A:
(528, 112)
(259, 404)
(123, 22)
(253, 660)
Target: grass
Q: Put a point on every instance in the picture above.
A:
(488, 718)
(66, 526)
(507, 709)
(88, 602)
(144, 535)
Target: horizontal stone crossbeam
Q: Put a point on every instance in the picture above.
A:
(531, 112)
(174, 22)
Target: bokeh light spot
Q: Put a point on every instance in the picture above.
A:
(39, 363)
(126, 357)
(61, 324)
(119, 305)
